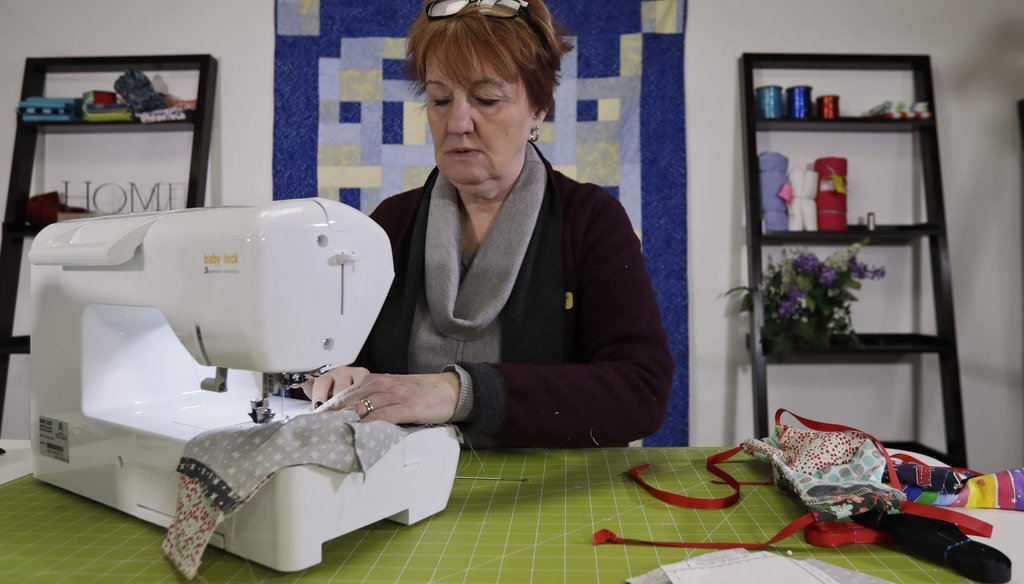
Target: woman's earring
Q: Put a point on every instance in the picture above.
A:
(534, 135)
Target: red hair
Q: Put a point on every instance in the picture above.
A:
(469, 46)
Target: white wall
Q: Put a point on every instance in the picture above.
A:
(977, 54)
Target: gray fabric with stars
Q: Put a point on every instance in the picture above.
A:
(232, 462)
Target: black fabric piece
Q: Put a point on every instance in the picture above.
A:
(943, 543)
(532, 320)
(138, 91)
(217, 489)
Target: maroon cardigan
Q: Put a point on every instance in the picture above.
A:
(585, 358)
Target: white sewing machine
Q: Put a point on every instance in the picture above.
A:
(135, 319)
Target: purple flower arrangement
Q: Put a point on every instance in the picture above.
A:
(807, 300)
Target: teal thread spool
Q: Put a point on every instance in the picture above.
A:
(769, 102)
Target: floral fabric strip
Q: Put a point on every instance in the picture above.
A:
(222, 469)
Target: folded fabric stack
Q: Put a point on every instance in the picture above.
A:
(104, 106)
(167, 114)
(185, 104)
(49, 109)
(134, 98)
(773, 167)
(149, 105)
(135, 88)
(803, 208)
(901, 110)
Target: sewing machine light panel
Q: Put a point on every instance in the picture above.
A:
(136, 374)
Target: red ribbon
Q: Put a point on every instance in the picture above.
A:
(605, 536)
(693, 502)
(840, 533)
(967, 524)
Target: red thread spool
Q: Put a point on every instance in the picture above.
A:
(828, 107)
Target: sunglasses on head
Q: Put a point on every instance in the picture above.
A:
(491, 8)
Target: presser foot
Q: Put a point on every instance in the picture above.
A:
(261, 412)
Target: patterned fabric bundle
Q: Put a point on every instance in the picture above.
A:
(222, 469)
(835, 474)
(948, 487)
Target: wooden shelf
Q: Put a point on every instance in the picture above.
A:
(875, 346)
(20, 231)
(881, 234)
(879, 344)
(837, 61)
(9, 345)
(843, 125)
(872, 347)
(83, 127)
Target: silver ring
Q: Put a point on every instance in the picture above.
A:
(369, 406)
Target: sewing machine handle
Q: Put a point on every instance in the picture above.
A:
(104, 241)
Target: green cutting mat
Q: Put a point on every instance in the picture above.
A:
(539, 530)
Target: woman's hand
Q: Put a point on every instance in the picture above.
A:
(320, 389)
(399, 399)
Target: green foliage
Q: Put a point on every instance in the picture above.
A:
(807, 301)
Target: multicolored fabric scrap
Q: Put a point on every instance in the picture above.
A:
(947, 487)
(835, 474)
(938, 479)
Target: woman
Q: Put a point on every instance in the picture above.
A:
(521, 308)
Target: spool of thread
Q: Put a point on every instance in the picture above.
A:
(828, 107)
(769, 102)
(799, 104)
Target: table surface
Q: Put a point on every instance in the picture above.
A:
(537, 530)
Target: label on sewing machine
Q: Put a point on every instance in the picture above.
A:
(220, 263)
(53, 438)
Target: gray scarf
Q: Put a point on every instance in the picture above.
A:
(462, 307)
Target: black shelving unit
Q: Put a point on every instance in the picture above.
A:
(879, 345)
(15, 228)
(1020, 119)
